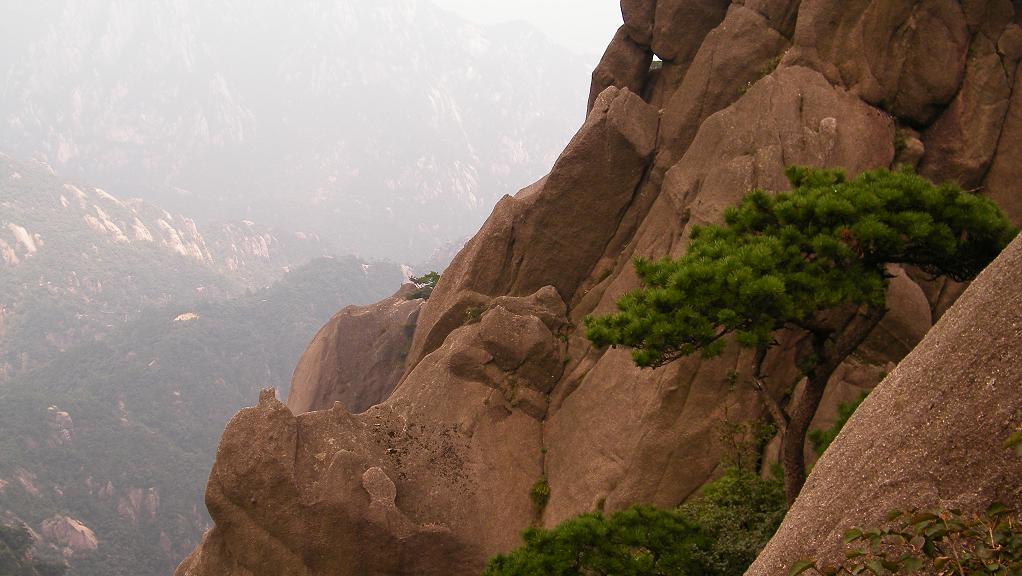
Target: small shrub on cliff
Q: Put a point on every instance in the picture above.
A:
(811, 260)
(942, 542)
(738, 514)
(424, 286)
(640, 541)
(718, 534)
(540, 493)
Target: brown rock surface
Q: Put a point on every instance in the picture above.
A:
(1002, 182)
(501, 388)
(906, 56)
(625, 64)
(679, 26)
(929, 435)
(357, 358)
(960, 145)
(69, 534)
(638, 18)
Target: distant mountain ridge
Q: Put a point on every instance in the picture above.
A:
(389, 127)
(76, 261)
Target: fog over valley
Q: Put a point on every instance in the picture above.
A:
(189, 190)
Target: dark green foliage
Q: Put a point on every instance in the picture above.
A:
(718, 534)
(640, 541)
(779, 259)
(17, 558)
(944, 542)
(738, 514)
(424, 285)
(821, 439)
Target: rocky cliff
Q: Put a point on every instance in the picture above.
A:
(357, 357)
(500, 388)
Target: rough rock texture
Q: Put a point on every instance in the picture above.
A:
(905, 56)
(929, 435)
(625, 64)
(500, 386)
(69, 534)
(357, 358)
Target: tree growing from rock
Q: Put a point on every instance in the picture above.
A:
(424, 285)
(812, 260)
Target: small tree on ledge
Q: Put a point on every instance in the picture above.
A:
(811, 259)
(424, 286)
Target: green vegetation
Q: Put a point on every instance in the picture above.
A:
(944, 542)
(812, 260)
(718, 534)
(540, 494)
(18, 559)
(640, 541)
(473, 314)
(424, 285)
(738, 514)
(821, 439)
(935, 541)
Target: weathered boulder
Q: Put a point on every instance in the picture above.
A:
(638, 18)
(733, 56)
(960, 145)
(905, 56)
(625, 64)
(69, 534)
(679, 26)
(647, 420)
(929, 435)
(357, 358)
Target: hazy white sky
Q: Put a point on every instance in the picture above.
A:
(585, 26)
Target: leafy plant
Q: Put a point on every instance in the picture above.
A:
(941, 542)
(717, 534)
(811, 260)
(540, 493)
(738, 513)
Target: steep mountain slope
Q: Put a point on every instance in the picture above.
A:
(75, 261)
(501, 389)
(106, 447)
(349, 119)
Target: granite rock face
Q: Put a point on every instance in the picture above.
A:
(501, 389)
(357, 358)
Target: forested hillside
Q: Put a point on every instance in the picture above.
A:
(119, 434)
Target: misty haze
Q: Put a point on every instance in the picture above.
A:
(510, 288)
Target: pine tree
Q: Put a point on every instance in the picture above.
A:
(812, 259)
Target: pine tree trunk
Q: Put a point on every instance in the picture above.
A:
(831, 349)
(793, 440)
